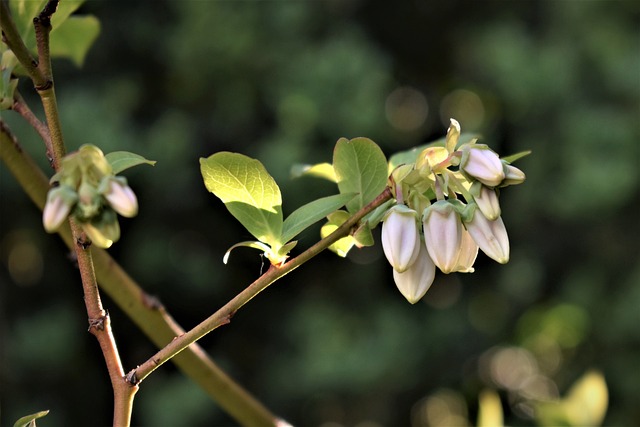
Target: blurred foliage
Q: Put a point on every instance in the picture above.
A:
(334, 342)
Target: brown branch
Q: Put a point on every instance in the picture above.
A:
(224, 314)
(21, 107)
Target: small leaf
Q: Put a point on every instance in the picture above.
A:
(74, 38)
(311, 213)
(122, 160)
(512, 158)
(344, 245)
(360, 167)
(29, 420)
(255, 245)
(410, 156)
(320, 170)
(248, 191)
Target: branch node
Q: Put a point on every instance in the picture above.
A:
(44, 86)
(83, 242)
(131, 377)
(98, 323)
(151, 302)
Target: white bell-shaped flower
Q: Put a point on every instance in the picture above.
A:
(121, 197)
(490, 236)
(442, 228)
(482, 164)
(468, 253)
(400, 237)
(487, 201)
(414, 282)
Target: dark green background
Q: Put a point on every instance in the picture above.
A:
(334, 342)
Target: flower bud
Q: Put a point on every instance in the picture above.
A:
(400, 237)
(487, 201)
(512, 176)
(414, 282)
(490, 236)
(482, 164)
(103, 231)
(60, 200)
(442, 234)
(467, 255)
(121, 197)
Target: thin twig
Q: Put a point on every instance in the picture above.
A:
(224, 314)
(21, 107)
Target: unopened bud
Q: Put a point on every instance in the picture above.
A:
(512, 176)
(490, 236)
(467, 255)
(482, 164)
(414, 282)
(487, 200)
(60, 201)
(400, 237)
(121, 197)
(442, 233)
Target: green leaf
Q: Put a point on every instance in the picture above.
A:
(512, 158)
(73, 39)
(320, 170)
(248, 191)
(360, 167)
(122, 160)
(344, 245)
(23, 12)
(410, 156)
(29, 420)
(311, 213)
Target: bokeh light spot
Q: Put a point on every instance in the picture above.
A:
(406, 108)
(465, 106)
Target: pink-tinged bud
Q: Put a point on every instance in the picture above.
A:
(467, 255)
(400, 237)
(490, 236)
(442, 234)
(60, 200)
(121, 197)
(414, 282)
(512, 176)
(482, 164)
(487, 201)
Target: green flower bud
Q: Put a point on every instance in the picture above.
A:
(442, 234)
(400, 237)
(490, 236)
(60, 201)
(104, 230)
(479, 162)
(414, 282)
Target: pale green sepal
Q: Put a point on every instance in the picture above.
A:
(30, 420)
(335, 220)
(320, 170)
(363, 236)
(375, 217)
(311, 213)
(122, 160)
(517, 156)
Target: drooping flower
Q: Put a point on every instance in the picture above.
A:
(490, 236)
(442, 234)
(512, 176)
(481, 163)
(121, 197)
(60, 201)
(400, 237)
(468, 253)
(414, 282)
(487, 200)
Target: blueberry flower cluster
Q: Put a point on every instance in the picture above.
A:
(86, 188)
(447, 209)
